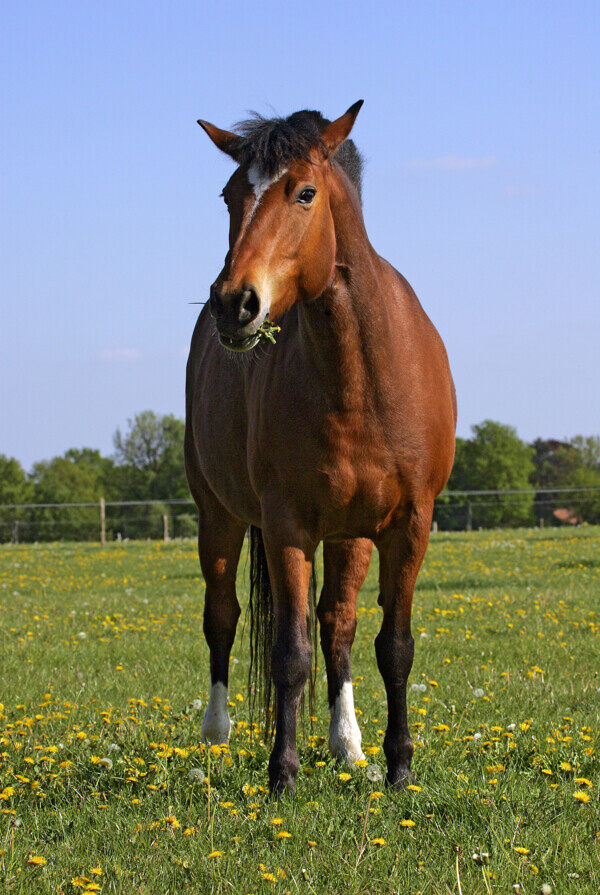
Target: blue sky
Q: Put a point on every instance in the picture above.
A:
(481, 132)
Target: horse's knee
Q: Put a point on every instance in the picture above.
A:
(395, 654)
(291, 661)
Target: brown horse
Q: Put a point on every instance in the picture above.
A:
(341, 432)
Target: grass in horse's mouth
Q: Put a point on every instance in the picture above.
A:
(267, 331)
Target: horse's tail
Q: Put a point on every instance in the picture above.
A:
(262, 621)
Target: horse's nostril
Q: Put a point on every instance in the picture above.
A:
(249, 306)
(215, 303)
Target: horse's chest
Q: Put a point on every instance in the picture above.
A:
(344, 473)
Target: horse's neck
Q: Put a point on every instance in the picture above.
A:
(346, 332)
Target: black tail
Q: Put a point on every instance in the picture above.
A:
(260, 685)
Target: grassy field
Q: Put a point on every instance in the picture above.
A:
(102, 657)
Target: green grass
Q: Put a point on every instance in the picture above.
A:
(103, 647)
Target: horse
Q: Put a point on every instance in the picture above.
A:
(320, 408)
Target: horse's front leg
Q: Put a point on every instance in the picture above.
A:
(345, 567)
(401, 552)
(220, 539)
(289, 556)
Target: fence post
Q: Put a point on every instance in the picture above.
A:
(469, 516)
(16, 531)
(165, 528)
(102, 522)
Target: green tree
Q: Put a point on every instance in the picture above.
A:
(14, 485)
(14, 488)
(568, 464)
(72, 478)
(495, 458)
(149, 458)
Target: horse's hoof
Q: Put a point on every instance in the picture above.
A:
(283, 784)
(400, 778)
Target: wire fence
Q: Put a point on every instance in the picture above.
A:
(166, 519)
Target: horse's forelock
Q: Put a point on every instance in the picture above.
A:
(272, 144)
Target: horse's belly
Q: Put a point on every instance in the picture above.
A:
(358, 501)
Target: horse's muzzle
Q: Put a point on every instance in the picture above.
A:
(238, 316)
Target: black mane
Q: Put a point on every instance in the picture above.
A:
(273, 143)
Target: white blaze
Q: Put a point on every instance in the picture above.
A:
(216, 725)
(344, 732)
(260, 183)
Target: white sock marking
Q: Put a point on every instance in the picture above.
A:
(344, 732)
(216, 725)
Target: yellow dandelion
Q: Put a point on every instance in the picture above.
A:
(36, 860)
(522, 851)
(360, 763)
(277, 821)
(312, 843)
(581, 796)
(269, 876)
(407, 823)
(215, 854)
(97, 871)
(566, 766)
(283, 834)
(583, 781)
(413, 787)
(378, 841)
(344, 777)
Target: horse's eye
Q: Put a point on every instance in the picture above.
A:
(306, 196)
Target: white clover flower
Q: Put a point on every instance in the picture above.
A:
(422, 687)
(196, 704)
(476, 736)
(196, 775)
(82, 635)
(511, 726)
(546, 889)
(414, 688)
(114, 747)
(105, 763)
(478, 693)
(423, 635)
(374, 773)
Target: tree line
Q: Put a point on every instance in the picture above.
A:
(147, 465)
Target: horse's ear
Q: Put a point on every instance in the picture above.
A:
(223, 140)
(336, 132)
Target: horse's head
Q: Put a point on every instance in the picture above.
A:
(281, 233)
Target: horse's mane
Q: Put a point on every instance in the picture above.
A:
(273, 143)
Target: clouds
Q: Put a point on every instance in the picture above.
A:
(119, 355)
(455, 163)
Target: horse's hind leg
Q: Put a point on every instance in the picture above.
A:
(401, 552)
(345, 569)
(220, 539)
